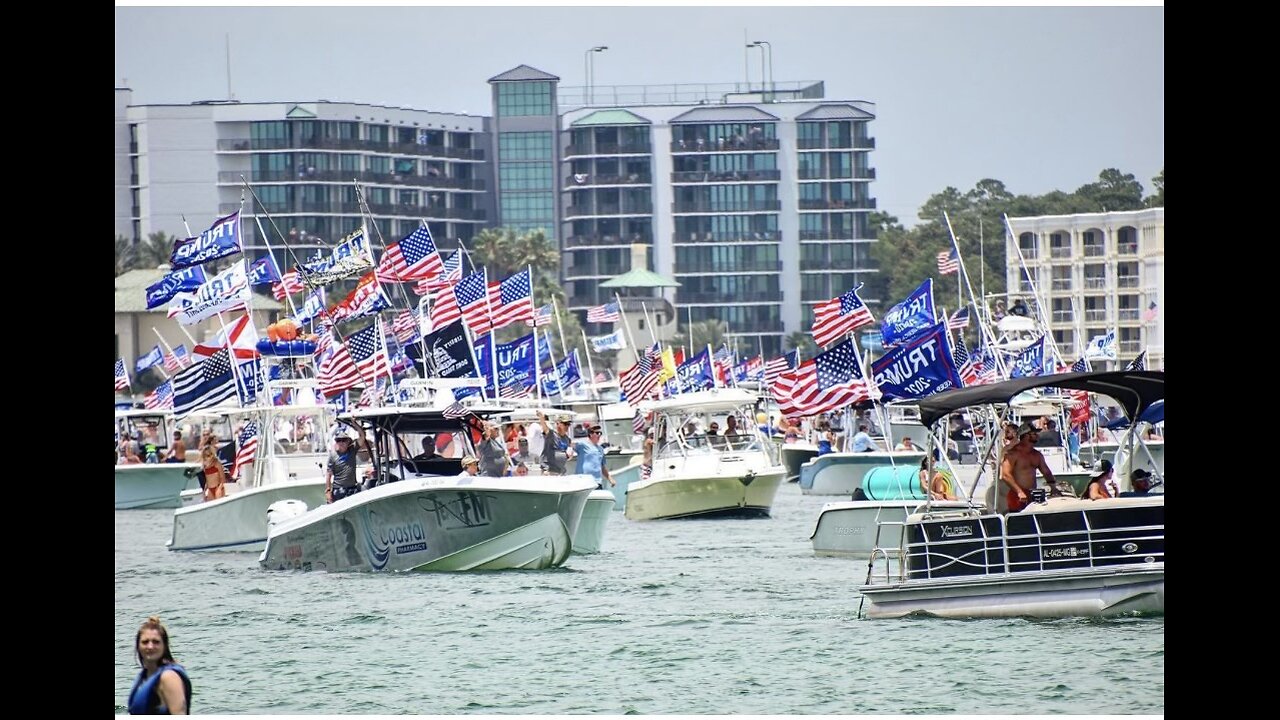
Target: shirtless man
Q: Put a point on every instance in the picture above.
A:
(1018, 469)
(177, 449)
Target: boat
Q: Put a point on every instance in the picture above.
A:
(842, 473)
(696, 475)
(422, 515)
(150, 485)
(290, 465)
(1059, 557)
(795, 454)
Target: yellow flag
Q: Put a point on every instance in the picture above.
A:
(668, 365)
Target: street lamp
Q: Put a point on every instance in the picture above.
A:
(768, 47)
(588, 66)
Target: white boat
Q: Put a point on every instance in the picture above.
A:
(424, 516)
(1058, 557)
(595, 517)
(150, 485)
(795, 454)
(699, 475)
(290, 465)
(841, 473)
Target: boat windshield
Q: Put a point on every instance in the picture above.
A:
(300, 434)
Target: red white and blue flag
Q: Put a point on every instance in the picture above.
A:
(160, 398)
(122, 376)
(414, 257)
(604, 313)
(246, 448)
(512, 300)
(176, 359)
(369, 353)
(335, 370)
(948, 262)
(471, 296)
(450, 273)
(959, 319)
(541, 316)
(839, 316)
(830, 381)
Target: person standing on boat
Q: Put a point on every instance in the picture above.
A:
(162, 686)
(591, 458)
(177, 449)
(340, 474)
(1018, 469)
(558, 446)
(493, 452)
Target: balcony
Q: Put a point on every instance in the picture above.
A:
(723, 145)
(1063, 316)
(722, 268)
(133, 179)
(136, 211)
(607, 149)
(578, 241)
(837, 144)
(726, 237)
(1060, 284)
(836, 234)
(829, 204)
(346, 176)
(1095, 283)
(720, 298)
(589, 180)
(1030, 253)
(1128, 248)
(404, 210)
(609, 209)
(1024, 286)
(1059, 252)
(702, 176)
(1128, 314)
(1095, 316)
(1130, 347)
(250, 145)
(1094, 250)
(1127, 281)
(727, 207)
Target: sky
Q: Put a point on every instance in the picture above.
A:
(1040, 98)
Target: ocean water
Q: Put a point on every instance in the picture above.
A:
(673, 617)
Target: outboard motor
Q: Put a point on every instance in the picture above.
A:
(282, 510)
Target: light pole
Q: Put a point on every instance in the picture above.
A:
(588, 65)
(769, 47)
(761, 47)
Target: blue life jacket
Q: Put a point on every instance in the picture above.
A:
(145, 694)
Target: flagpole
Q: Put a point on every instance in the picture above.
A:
(626, 328)
(293, 310)
(983, 329)
(590, 366)
(689, 340)
(711, 365)
(1035, 292)
(653, 335)
(493, 343)
(564, 346)
(555, 371)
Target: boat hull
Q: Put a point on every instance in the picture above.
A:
(794, 455)
(149, 486)
(1101, 593)
(439, 524)
(595, 517)
(238, 522)
(679, 497)
(842, 473)
(848, 528)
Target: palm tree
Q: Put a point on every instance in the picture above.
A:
(155, 250)
(800, 339)
(704, 332)
(125, 255)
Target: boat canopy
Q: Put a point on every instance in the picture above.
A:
(1135, 390)
(1153, 415)
(717, 400)
(415, 420)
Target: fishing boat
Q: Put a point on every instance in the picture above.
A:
(1059, 557)
(150, 485)
(423, 515)
(696, 474)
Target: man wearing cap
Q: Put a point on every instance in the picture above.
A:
(558, 447)
(470, 467)
(1018, 469)
(591, 457)
(340, 475)
(492, 452)
(1140, 479)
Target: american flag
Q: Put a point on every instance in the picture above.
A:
(369, 353)
(964, 361)
(450, 273)
(1149, 315)
(948, 262)
(455, 411)
(775, 367)
(646, 470)
(335, 369)
(830, 381)
(541, 316)
(405, 326)
(414, 257)
(1138, 363)
(515, 391)
(639, 384)
(161, 397)
(984, 363)
(472, 299)
(1080, 365)
(637, 423)
(177, 359)
(839, 316)
(651, 358)
(604, 313)
(444, 309)
(959, 319)
(204, 384)
(288, 285)
(122, 375)
(247, 444)
(512, 300)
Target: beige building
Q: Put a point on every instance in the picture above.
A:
(136, 326)
(1089, 273)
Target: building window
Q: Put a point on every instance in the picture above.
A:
(525, 176)
(517, 99)
(1027, 245)
(1127, 241)
(516, 146)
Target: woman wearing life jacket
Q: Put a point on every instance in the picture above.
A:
(162, 686)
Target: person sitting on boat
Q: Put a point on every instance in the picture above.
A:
(493, 452)
(470, 467)
(128, 452)
(177, 449)
(1018, 469)
(1050, 437)
(1019, 308)
(428, 449)
(1097, 488)
(826, 442)
(940, 487)
(906, 445)
(522, 454)
(591, 458)
(151, 446)
(340, 473)
(1140, 479)
(520, 470)
(162, 686)
(862, 442)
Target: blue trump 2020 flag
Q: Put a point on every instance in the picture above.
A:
(155, 357)
(567, 370)
(1029, 362)
(515, 362)
(693, 374)
(919, 367)
(910, 318)
(220, 240)
(183, 279)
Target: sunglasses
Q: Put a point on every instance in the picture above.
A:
(594, 432)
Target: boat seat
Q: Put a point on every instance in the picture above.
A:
(889, 482)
